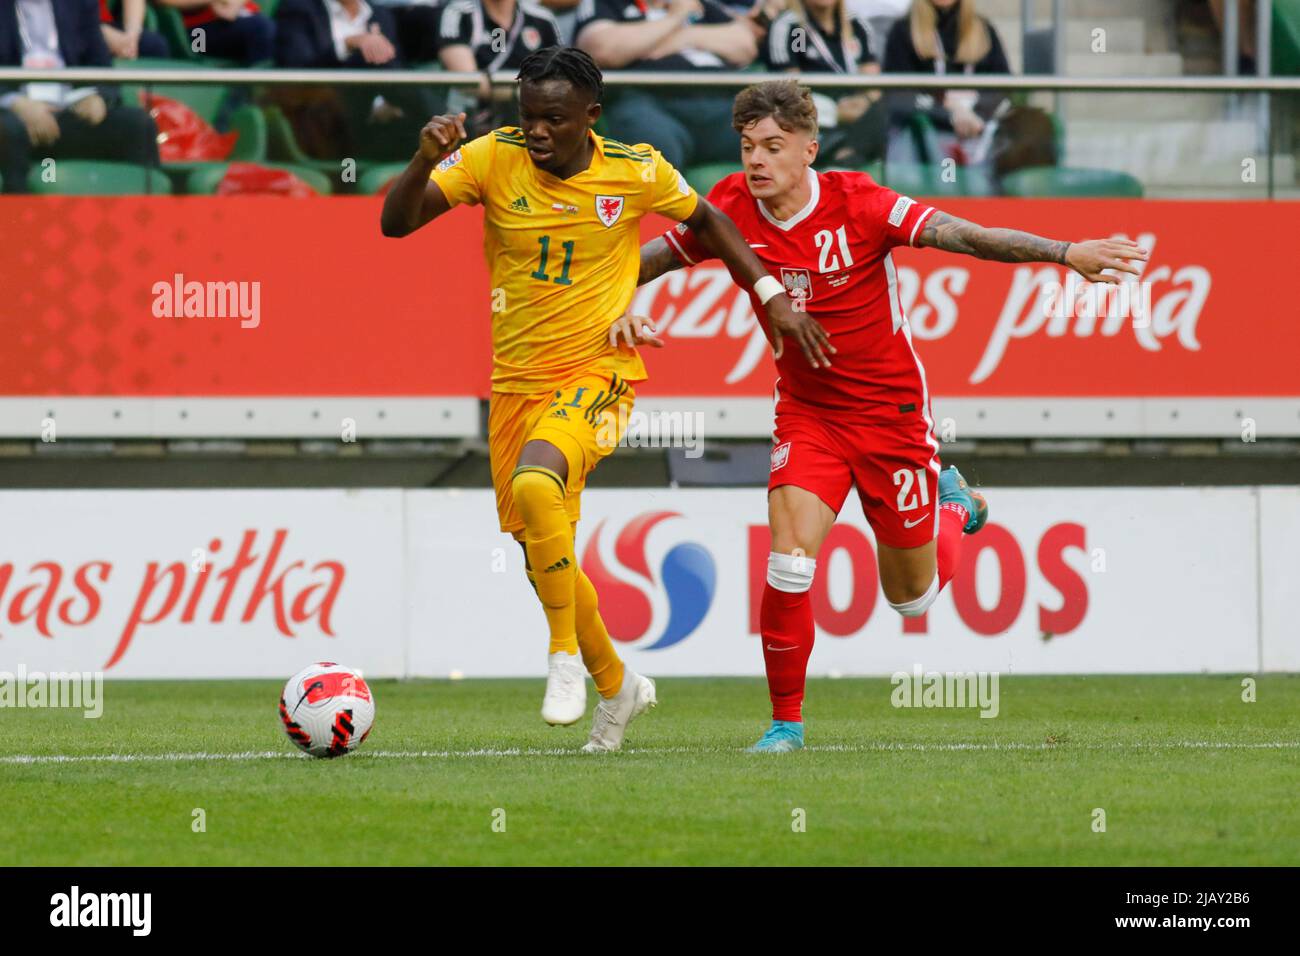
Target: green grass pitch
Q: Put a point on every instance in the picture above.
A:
(1186, 772)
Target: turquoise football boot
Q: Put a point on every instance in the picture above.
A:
(953, 487)
(782, 737)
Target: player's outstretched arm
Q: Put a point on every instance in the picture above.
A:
(720, 237)
(632, 330)
(1011, 245)
(657, 259)
(414, 199)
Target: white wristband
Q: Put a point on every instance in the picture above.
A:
(767, 287)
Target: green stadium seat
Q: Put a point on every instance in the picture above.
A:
(914, 179)
(376, 178)
(84, 177)
(250, 124)
(172, 27)
(1062, 181)
(206, 100)
(925, 137)
(706, 176)
(282, 146)
(204, 181)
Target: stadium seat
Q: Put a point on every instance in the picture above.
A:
(705, 177)
(924, 137)
(83, 177)
(1061, 181)
(250, 147)
(914, 179)
(206, 100)
(172, 27)
(250, 123)
(282, 145)
(204, 181)
(376, 178)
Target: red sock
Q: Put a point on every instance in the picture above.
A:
(952, 518)
(786, 623)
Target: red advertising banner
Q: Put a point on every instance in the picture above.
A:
(316, 302)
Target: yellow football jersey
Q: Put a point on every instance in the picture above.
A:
(563, 253)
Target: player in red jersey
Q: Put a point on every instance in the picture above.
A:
(854, 413)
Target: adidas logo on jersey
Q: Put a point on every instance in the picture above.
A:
(559, 565)
(559, 413)
(521, 205)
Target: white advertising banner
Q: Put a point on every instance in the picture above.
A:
(200, 583)
(1279, 549)
(421, 583)
(1059, 581)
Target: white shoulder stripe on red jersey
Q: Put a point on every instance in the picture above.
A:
(911, 240)
(677, 247)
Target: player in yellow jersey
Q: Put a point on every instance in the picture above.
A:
(561, 211)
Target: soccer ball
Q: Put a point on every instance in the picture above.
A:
(327, 709)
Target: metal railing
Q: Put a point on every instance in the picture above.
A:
(702, 80)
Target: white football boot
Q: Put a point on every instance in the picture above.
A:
(634, 698)
(566, 690)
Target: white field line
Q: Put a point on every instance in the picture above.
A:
(249, 755)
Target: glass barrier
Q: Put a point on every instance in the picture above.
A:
(300, 139)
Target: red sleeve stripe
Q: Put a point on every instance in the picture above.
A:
(677, 248)
(911, 240)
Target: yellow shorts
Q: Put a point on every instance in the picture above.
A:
(584, 418)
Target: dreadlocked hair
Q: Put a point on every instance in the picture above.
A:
(563, 63)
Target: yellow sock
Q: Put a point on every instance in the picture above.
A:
(603, 663)
(598, 654)
(548, 538)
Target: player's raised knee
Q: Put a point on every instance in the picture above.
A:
(792, 573)
(913, 599)
(537, 491)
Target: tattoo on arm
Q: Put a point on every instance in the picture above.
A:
(656, 260)
(1002, 245)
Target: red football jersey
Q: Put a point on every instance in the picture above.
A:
(834, 254)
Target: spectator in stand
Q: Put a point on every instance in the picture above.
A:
(688, 127)
(489, 36)
(416, 23)
(58, 120)
(942, 37)
(821, 36)
(231, 29)
(879, 14)
(332, 34)
(337, 34)
(125, 35)
(566, 17)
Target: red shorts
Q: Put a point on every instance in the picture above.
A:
(893, 465)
